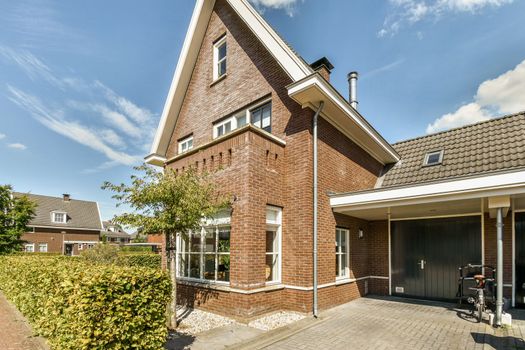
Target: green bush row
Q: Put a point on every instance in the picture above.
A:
(78, 305)
(139, 260)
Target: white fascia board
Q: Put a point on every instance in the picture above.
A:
(317, 81)
(181, 78)
(288, 60)
(476, 187)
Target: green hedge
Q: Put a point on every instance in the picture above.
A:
(77, 305)
(150, 260)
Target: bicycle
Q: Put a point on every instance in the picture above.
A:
(482, 283)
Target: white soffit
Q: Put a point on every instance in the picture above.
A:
(313, 89)
(484, 186)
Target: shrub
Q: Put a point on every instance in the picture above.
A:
(77, 305)
(101, 253)
(150, 260)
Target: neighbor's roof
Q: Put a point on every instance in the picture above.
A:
(118, 234)
(492, 146)
(80, 214)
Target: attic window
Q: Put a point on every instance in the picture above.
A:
(59, 217)
(433, 158)
(219, 58)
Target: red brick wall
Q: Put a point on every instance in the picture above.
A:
(55, 237)
(259, 171)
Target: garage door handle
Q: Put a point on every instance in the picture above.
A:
(422, 264)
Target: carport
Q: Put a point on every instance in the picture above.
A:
(436, 227)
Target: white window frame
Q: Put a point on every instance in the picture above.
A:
(234, 119)
(216, 61)
(275, 226)
(80, 246)
(338, 255)
(429, 154)
(53, 217)
(40, 245)
(223, 221)
(184, 145)
(27, 245)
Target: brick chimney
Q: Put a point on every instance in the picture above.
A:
(323, 66)
(66, 197)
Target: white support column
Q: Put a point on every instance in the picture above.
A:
(499, 267)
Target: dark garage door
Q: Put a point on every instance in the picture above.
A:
(427, 253)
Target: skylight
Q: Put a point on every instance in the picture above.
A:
(433, 158)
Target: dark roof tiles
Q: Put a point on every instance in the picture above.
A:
(490, 146)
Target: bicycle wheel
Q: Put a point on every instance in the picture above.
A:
(479, 308)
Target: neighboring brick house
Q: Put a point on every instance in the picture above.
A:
(62, 225)
(243, 105)
(115, 234)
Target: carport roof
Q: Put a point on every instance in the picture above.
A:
(479, 149)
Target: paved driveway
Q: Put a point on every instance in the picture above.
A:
(392, 323)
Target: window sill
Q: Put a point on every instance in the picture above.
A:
(225, 286)
(344, 280)
(221, 78)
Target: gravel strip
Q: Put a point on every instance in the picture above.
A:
(192, 321)
(276, 320)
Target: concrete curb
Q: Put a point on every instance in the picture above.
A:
(274, 336)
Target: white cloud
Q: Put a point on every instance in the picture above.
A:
(385, 68)
(30, 64)
(502, 95)
(408, 12)
(74, 130)
(18, 146)
(288, 5)
(117, 120)
(2, 136)
(138, 114)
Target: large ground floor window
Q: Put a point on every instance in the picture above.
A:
(205, 254)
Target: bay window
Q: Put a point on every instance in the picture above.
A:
(341, 253)
(205, 254)
(273, 244)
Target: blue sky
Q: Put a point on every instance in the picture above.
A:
(83, 84)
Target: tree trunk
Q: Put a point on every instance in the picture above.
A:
(173, 276)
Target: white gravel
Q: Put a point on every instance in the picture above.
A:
(276, 320)
(193, 321)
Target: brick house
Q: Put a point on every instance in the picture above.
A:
(306, 229)
(62, 225)
(114, 233)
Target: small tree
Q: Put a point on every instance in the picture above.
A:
(167, 202)
(15, 214)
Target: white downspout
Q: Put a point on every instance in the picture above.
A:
(314, 127)
(499, 267)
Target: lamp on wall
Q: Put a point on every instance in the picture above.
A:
(360, 233)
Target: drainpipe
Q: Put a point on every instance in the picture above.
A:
(314, 127)
(499, 268)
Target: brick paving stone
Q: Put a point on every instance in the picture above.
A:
(15, 332)
(395, 323)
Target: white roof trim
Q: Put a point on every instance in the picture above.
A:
(483, 186)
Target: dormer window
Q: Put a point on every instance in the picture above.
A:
(219, 58)
(433, 158)
(59, 217)
(185, 144)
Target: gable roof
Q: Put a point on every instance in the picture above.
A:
(80, 214)
(491, 146)
(296, 68)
